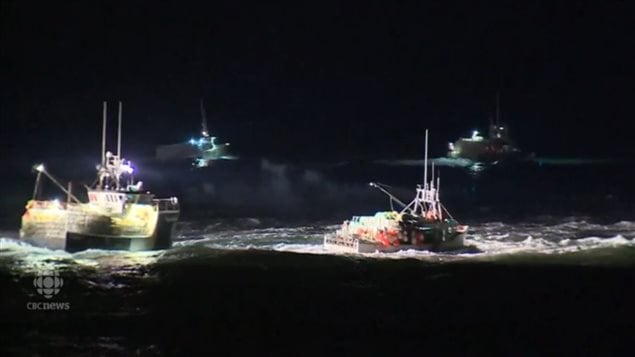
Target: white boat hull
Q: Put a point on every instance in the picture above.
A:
(354, 245)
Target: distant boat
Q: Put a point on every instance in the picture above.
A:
(497, 146)
(119, 214)
(200, 151)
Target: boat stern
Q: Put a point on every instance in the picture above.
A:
(337, 243)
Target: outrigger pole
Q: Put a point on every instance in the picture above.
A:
(37, 184)
(392, 197)
(41, 170)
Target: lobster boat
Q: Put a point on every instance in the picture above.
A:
(497, 147)
(202, 151)
(119, 214)
(423, 224)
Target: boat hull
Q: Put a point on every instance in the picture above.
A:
(160, 239)
(345, 244)
(486, 151)
(393, 231)
(76, 230)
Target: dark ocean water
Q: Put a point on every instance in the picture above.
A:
(548, 268)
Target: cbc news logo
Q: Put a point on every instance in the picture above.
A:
(49, 284)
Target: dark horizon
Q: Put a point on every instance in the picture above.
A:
(321, 81)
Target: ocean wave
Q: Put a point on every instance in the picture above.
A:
(486, 241)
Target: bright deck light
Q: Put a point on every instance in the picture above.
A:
(127, 168)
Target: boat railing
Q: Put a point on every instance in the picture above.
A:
(46, 204)
(345, 243)
(167, 204)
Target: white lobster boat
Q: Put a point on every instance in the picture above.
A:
(423, 224)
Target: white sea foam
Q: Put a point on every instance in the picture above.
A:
(488, 240)
(30, 259)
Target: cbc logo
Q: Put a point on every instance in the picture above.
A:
(48, 284)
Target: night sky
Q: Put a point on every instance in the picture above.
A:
(316, 80)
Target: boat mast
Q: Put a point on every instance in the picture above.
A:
(425, 163)
(497, 109)
(437, 198)
(103, 138)
(119, 134)
(203, 121)
(427, 198)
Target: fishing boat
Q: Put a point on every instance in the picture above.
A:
(200, 152)
(119, 214)
(423, 224)
(496, 147)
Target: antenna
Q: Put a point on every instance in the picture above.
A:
(119, 134)
(497, 108)
(432, 180)
(438, 185)
(103, 138)
(425, 163)
(204, 121)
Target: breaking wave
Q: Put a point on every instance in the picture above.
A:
(486, 241)
(571, 240)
